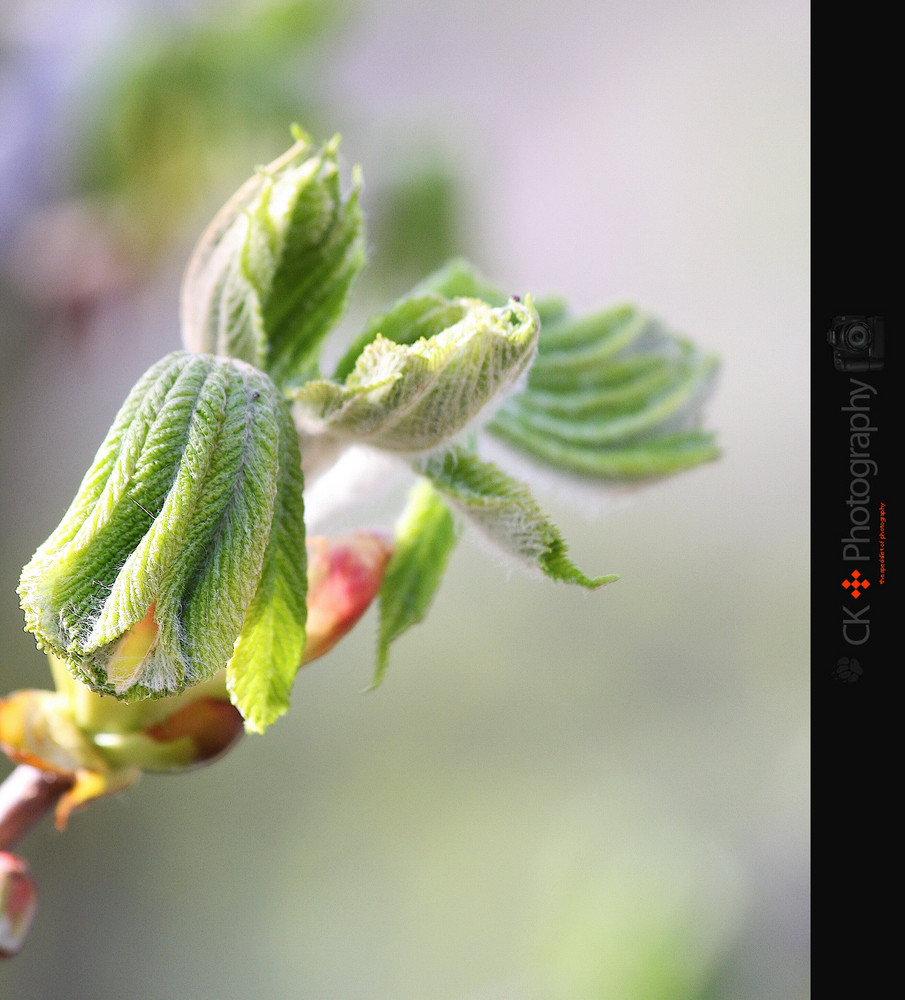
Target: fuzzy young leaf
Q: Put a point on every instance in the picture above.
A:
(271, 275)
(409, 320)
(144, 587)
(268, 652)
(451, 360)
(612, 396)
(505, 511)
(425, 537)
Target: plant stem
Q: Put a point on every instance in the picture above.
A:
(25, 796)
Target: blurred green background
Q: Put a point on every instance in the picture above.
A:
(554, 795)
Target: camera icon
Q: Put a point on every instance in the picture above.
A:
(858, 343)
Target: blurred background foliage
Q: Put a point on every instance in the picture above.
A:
(554, 796)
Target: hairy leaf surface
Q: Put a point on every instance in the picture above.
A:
(425, 537)
(503, 509)
(271, 275)
(194, 497)
(451, 359)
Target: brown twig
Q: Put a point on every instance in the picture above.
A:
(25, 796)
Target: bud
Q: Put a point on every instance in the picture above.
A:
(344, 576)
(190, 516)
(18, 901)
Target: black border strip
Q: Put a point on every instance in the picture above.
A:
(855, 253)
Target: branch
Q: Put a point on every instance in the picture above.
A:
(25, 796)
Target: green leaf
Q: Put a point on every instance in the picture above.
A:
(271, 274)
(268, 652)
(614, 396)
(505, 511)
(144, 587)
(425, 537)
(412, 394)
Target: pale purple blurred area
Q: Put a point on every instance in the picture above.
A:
(546, 778)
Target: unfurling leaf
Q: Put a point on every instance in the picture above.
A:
(145, 586)
(426, 369)
(613, 396)
(271, 275)
(425, 537)
(268, 651)
(504, 510)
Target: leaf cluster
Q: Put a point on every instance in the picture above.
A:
(190, 524)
